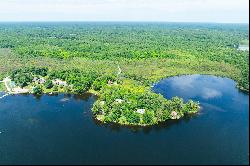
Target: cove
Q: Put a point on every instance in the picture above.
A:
(59, 129)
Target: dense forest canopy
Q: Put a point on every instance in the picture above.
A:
(113, 40)
(215, 42)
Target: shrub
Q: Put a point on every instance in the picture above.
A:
(37, 90)
(48, 84)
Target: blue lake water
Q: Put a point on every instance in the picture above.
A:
(60, 130)
(243, 47)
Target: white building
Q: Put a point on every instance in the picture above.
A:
(119, 100)
(59, 82)
(39, 80)
(140, 111)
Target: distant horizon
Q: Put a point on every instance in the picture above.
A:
(117, 21)
(194, 11)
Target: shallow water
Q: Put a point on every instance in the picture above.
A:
(60, 129)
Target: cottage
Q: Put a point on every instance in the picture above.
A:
(39, 80)
(102, 112)
(119, 101)
(140, 111)
(110, 82)
(102, 103)
(174, 115)
(59, 82)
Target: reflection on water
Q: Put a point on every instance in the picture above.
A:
(208, 93)
(196, 87)
(148, 129)
(60, 129)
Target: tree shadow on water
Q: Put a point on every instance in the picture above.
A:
(147, 129)
(86, 96)
(37, 97)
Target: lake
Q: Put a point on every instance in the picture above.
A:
(59, 129)
(243, 47)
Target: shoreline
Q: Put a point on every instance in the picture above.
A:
(92, 91)
(97, 93)
(146, 125)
